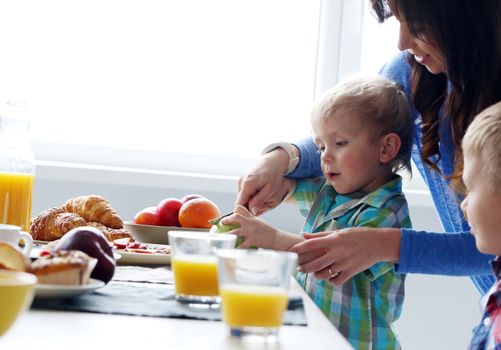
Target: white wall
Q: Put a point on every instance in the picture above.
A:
(439, 312)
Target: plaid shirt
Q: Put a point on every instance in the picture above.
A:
(487, 335)
(364, 308)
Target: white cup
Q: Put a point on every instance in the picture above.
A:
(13, 235)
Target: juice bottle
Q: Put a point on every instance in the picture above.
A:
(17, 170)
(15, 199)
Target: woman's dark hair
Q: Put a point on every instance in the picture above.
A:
(468, 34)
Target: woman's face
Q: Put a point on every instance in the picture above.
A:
(423, 49)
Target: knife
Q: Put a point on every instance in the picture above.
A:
(215, 221)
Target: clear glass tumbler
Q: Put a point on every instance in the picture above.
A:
(194, 265)
(254, 290)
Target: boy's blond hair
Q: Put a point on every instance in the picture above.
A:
(483, 139)
(381, 105)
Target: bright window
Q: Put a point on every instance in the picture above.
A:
(139, 82)
(379, 41)
(198, 86)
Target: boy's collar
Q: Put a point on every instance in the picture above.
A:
(380, 196)
(376, 198)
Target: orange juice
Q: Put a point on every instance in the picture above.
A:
(16, 191)
(16, 294)
(254, 306)
(195, 276)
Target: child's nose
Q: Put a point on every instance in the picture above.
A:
(327, 157)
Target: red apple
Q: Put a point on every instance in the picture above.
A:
(147, 216)
(167, 211)
(189, 197)
(92, 242)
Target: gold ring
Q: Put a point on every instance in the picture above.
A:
(332, 274)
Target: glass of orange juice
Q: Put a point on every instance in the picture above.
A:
(16, 295)
(194, 265)
(254, 291)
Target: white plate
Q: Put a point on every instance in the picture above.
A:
(130, 258)
(61, 291)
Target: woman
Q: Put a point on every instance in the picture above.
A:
(450, 70)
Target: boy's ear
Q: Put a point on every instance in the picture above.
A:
(390, 145)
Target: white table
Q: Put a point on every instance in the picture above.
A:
(54, 330)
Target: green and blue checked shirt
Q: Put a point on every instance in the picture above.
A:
(364, 308)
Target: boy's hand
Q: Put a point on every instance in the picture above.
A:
(255, 231)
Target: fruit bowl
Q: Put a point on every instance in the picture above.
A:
(155, 234)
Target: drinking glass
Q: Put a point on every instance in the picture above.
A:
(254, 290)
(194, 265)
(16, 295)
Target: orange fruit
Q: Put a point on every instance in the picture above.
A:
(11, 258)
(197, 212)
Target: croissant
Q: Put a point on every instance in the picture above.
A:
(52, 224)
(111, 233)
(94, 208)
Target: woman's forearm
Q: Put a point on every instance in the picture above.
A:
(453, 254)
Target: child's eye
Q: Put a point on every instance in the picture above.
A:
(320, 150)
(341, 143)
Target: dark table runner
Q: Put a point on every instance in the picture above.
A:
(154, 300)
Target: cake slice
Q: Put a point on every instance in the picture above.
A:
(63, 267)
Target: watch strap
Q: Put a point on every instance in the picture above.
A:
(291, 151)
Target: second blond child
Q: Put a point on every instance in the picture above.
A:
(482, 207)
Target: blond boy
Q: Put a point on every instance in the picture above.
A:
(482, 207)
(363, 130)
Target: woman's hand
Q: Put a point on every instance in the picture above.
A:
(264, 187)
(338, 256)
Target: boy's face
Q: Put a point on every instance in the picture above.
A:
(482, 207)
(349, 153)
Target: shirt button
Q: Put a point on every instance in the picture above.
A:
(487, 321)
